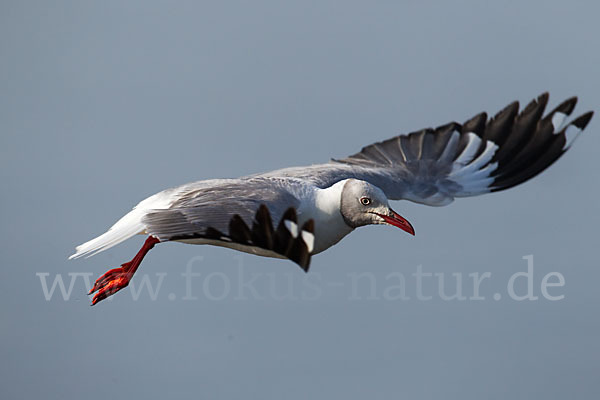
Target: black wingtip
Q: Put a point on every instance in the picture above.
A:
(290, 214)
(567, 106)
(309, 226)
(476, 124)
(536, 104)
(511, 109)
(239, 231)
(582, 121)
(305, 267)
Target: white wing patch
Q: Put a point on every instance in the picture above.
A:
(484, 172)
(571, 134)
(309, 239)
(469, 152)
(557, 121)
(459, 170)
(473, 175)
(292, 227)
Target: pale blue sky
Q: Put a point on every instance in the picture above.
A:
(105, 103)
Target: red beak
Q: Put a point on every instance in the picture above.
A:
(397, 220)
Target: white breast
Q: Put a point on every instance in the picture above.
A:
(323, 206)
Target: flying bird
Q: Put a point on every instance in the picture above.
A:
(296, 212)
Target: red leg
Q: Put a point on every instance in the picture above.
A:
(118, 278)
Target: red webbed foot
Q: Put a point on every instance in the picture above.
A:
(110, 283)
(118, 278)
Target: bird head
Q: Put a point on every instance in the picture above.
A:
(365, 204)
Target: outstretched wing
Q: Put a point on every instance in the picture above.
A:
(237, 214)
(434, 166)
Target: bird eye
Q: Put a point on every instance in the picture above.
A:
(365, 201)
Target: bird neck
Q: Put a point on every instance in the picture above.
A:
(328, 201)
(324, 209)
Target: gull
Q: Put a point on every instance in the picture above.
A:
(297, 212)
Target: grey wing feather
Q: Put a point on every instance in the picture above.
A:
(434, 166)
(212, 204)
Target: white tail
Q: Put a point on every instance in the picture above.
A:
(128, 226)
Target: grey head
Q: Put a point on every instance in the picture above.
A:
(365, 204)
